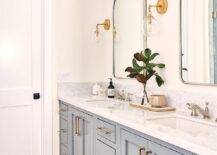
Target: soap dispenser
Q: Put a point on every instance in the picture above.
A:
(95, 89)
(111, 89)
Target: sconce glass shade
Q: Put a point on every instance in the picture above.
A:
(97, 36)
(152, 28)
(151, 23)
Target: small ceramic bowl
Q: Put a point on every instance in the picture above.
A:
(158, 101)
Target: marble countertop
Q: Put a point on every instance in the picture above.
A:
(204, 143)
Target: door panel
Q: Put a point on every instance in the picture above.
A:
(104, 149)
(80, 133)
(160, 150)
(15, 44)
(79, 136)
(20, 77)
(14, 131)
(132, 144)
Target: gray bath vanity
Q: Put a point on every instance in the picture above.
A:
(86, 133)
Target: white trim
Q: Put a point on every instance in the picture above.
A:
(47, 125)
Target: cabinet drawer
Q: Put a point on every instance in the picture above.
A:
(104, 149)
(161, 150)
(63, 131)
(63, 123)
(63, 150)
(63, 110)
(106, 130)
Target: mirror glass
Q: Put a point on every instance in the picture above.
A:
(199, 41)
(129, 30)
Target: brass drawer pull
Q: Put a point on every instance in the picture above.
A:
(104, 130)
(214, 14)
(62, 131)
(77, 126)
(141, 150)
(148, 153)
(62, 110)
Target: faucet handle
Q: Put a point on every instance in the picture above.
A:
(207, 108)
(129, 97)
(193, 109)
(120, 95)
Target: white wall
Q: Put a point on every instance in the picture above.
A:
(81, 59)
(67, 34)
(167, 43)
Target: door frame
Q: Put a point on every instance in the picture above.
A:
(48, 82)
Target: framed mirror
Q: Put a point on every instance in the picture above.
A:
(199, 42)
(129, 33)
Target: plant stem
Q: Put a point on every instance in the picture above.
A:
(146, 94)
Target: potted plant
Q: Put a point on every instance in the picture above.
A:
(143, 69)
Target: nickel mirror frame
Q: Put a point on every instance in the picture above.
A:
(181, 57)
(113, 41)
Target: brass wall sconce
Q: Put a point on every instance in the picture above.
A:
(161, 8)
(106, 25)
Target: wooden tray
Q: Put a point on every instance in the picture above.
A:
(150, 108)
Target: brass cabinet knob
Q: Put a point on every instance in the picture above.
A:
(148, 153)
(104, 130)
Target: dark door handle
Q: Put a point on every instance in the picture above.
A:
(36, 96)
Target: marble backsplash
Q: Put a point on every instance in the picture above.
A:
(175, 98)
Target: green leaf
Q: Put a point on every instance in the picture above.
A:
(159, 80)
(147, 52)
(161, 65)
(150, 66)
(153, 56)
(145, 60)
(136, 66)
(150, 73)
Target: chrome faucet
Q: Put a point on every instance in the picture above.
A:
(195, 109)
(121, 95)
(129, 97)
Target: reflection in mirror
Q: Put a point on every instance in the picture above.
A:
(199, 41)
(129, 30)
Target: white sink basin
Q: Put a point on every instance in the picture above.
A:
(194, 127)
(104, 103)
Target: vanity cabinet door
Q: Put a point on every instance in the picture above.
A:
(132, 144)
(64, 129)
(81, 133)
(104, 149)
(157, 149)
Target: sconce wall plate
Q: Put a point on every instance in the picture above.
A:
(162, 6)
(107, 24)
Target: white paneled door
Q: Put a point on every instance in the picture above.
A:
(20, 77)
